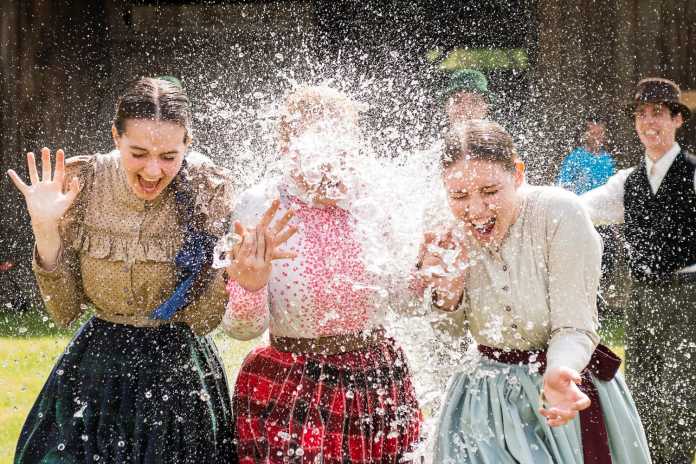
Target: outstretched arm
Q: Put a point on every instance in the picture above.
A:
(48, 200)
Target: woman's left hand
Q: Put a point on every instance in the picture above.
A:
(563, 397)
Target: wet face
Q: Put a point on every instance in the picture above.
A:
(656, 127)
(152, 153)
(463, 106)
(318, 149)
(483, 196)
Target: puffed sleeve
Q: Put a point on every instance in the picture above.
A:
(61, 287)
(214, 187)
(574, 258)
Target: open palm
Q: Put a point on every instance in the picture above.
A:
(252, 259)
(563, 397)
(46, 201)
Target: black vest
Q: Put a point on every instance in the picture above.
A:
(661, 228)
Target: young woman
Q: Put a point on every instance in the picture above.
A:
(131, 233)
(525, 281)
(330, 387)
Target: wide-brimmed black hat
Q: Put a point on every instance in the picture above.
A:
(659, 90)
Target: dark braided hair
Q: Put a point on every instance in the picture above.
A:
(161, 99)
(165, 99)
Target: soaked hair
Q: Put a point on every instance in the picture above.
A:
(478, 140)
(165, 99)
(310, 103)
(156, 99)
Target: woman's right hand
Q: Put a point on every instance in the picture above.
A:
(252, 258)
(45, 199)
(441, 265)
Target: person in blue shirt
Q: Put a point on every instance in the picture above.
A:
(589, 165)
(585, 168)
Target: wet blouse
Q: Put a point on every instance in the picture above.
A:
(324, 291)
(118, 250)
(539, 288)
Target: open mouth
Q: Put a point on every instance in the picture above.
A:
(148, 186)
(484, 230)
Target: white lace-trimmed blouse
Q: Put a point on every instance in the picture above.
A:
(539, 289)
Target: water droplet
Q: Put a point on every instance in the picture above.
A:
(61, 446)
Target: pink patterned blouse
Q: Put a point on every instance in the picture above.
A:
(324, 291)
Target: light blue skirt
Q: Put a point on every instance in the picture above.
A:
(490, 416)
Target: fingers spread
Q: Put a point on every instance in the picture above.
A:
(269, 246)
(260, 243)
(59, 171)
(248, 247)
(46, 165)
(279, 254)
(284, 236)
(282, 222)
(239, 229)
(19, 183)
(268, 215)
(31, 165)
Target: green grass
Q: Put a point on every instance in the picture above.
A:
(29, 346)
(31, 343)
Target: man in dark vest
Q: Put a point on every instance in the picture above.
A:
(657, 202)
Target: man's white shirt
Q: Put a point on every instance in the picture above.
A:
(605, 204)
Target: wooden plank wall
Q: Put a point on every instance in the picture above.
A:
(591, 54)
(53, 63)
(59, 60)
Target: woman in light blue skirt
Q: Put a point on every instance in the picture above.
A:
(521, 267)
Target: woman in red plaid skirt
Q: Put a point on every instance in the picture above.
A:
(330, 387)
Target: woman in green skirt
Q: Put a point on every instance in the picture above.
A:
(131, 233)
(521, 268)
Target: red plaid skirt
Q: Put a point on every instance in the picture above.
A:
(357, 407)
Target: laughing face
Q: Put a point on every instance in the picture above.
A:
(152, 152)
(656, 128)
(483, 195)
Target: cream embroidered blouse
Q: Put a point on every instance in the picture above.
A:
(539, 289)
(118, 250)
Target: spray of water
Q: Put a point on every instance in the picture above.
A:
(394, 198)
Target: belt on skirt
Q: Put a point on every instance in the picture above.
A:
(329, 345)
(603, 364)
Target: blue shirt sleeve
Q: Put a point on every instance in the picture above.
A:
(567, 174)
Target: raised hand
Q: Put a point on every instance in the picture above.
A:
(251, 259)
(46, 201)
(441, 265)
(563, 399)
